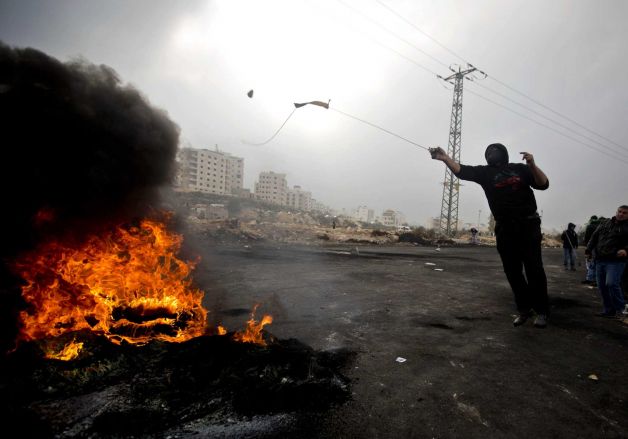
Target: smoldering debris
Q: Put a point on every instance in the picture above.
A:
(118, 390)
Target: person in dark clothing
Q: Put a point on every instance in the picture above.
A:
(508, 188)
(474, 236)
(570, 244)
(593, 223)
(609, 242)
(590, 262)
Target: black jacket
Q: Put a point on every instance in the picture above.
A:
(610, 237)
(589, 231)
(570, 239)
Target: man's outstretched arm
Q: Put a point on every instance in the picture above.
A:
(540, 179)
(439, 153)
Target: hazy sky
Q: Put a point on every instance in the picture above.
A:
(198, 59)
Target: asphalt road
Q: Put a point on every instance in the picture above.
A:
(466, 371)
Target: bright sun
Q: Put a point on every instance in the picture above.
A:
(290, 49)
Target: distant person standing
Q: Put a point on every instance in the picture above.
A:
(508, 188)
(590, 262)
(570, 244)
(474, 236)
(609, 243)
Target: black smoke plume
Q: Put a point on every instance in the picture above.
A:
(78, 144)
(79, 148)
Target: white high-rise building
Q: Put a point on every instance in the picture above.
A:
(364, 214)
(272, 187)
(299, 199)
(214, 172)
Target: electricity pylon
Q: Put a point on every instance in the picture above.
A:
(451, 186)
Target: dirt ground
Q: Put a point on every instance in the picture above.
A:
(437, 355)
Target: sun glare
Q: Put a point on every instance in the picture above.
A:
(292, 50)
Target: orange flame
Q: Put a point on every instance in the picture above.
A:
(253, 331)
(69, 352)
(128, 285)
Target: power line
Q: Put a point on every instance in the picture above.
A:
(487, 88)
(404, 56)
(556, 112)
(421, 31)
(545, 117)
(392, 33)
(493, 91)
(379, 43)
(622, 159)
(398, 15)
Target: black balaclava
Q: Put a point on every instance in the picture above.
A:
(496, 154)
(571, 226)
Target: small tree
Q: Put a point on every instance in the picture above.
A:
(491, 224)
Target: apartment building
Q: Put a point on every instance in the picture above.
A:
(364, 214)
(213, 172)
(299, 199)
(317, 206)
(272, 187)
(392, 218)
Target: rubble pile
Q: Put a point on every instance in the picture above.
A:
(287, 228)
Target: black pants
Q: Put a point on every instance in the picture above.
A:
(519, 245)
(624, 283)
